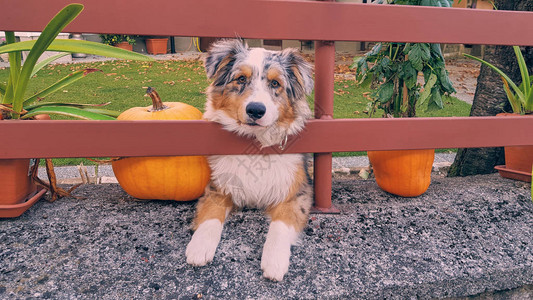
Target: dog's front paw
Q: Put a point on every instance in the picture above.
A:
(204, 242)
(275, 264)
(277, 251)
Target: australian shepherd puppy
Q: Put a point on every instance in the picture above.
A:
(260, 94)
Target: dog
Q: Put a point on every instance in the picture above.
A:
(259, 94)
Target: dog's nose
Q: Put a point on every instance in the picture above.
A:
(255, 110)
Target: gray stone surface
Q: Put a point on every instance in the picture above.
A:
(465, 236)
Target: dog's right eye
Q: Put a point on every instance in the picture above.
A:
(242, 79)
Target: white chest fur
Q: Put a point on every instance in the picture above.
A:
(255, 180)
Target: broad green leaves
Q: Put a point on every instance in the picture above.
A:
(419, 55)
(396, 68)
(409, 73)
(385, 92)
(428, 88)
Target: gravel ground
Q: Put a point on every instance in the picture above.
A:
(465, 236)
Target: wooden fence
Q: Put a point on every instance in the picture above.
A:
(324, 22)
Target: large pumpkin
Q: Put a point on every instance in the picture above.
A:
(405, 173)
(181, 178)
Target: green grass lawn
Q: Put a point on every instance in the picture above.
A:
(123, 83)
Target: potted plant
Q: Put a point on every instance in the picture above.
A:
(518, 159)
(15, 105)
(118, 40)
(394, 68)
(156, 45)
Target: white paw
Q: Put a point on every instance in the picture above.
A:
(204, 242)
(277, 251)
(275, 264)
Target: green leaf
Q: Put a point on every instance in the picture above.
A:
(78, 105)
(407, 48)
(65, 81)
(419, 55)
(102, 111)
(385, 92)
(385, 63)
(436, 100)
(14, 70)
(362, 69)
(529, 100)
(529, 97)
(67, 111)
(435, 48)
(2, 89)
(428, 87)
(49, 33)
(445, 81)
(438, 3)
(356, 61)
(511, 97)
(524, 72)
(375, 50)
(409, 75)
(77, 46)
(95, 108)
(504, 76)
(45, 62)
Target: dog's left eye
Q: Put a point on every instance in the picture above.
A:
(274, 84)
(241, 79)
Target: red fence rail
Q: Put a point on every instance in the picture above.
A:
(144, 138)
(299, 20)
(302, 20)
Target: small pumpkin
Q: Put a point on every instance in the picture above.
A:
(180, 178)
(405, 173)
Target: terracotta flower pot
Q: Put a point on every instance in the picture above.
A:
(405, 173)
(17, 191)
(156, 46)
(518, 159)
(125, 46)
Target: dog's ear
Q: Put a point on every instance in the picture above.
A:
(300, 74)
(220, 59)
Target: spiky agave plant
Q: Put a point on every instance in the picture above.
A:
(13, 101)
(520, 96)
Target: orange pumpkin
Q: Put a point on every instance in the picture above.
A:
(405, 173)
(180, 178)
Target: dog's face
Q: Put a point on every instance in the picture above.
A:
(256, 92)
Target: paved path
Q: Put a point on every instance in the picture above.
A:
(341, 165)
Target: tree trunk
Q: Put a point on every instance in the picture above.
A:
(490, 99)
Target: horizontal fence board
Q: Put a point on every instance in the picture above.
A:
(299, 20)
(28, 139)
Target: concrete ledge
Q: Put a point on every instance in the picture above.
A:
(464, 237)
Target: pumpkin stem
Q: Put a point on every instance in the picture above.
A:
(157, 104)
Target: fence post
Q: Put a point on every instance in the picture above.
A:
(324, 86)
